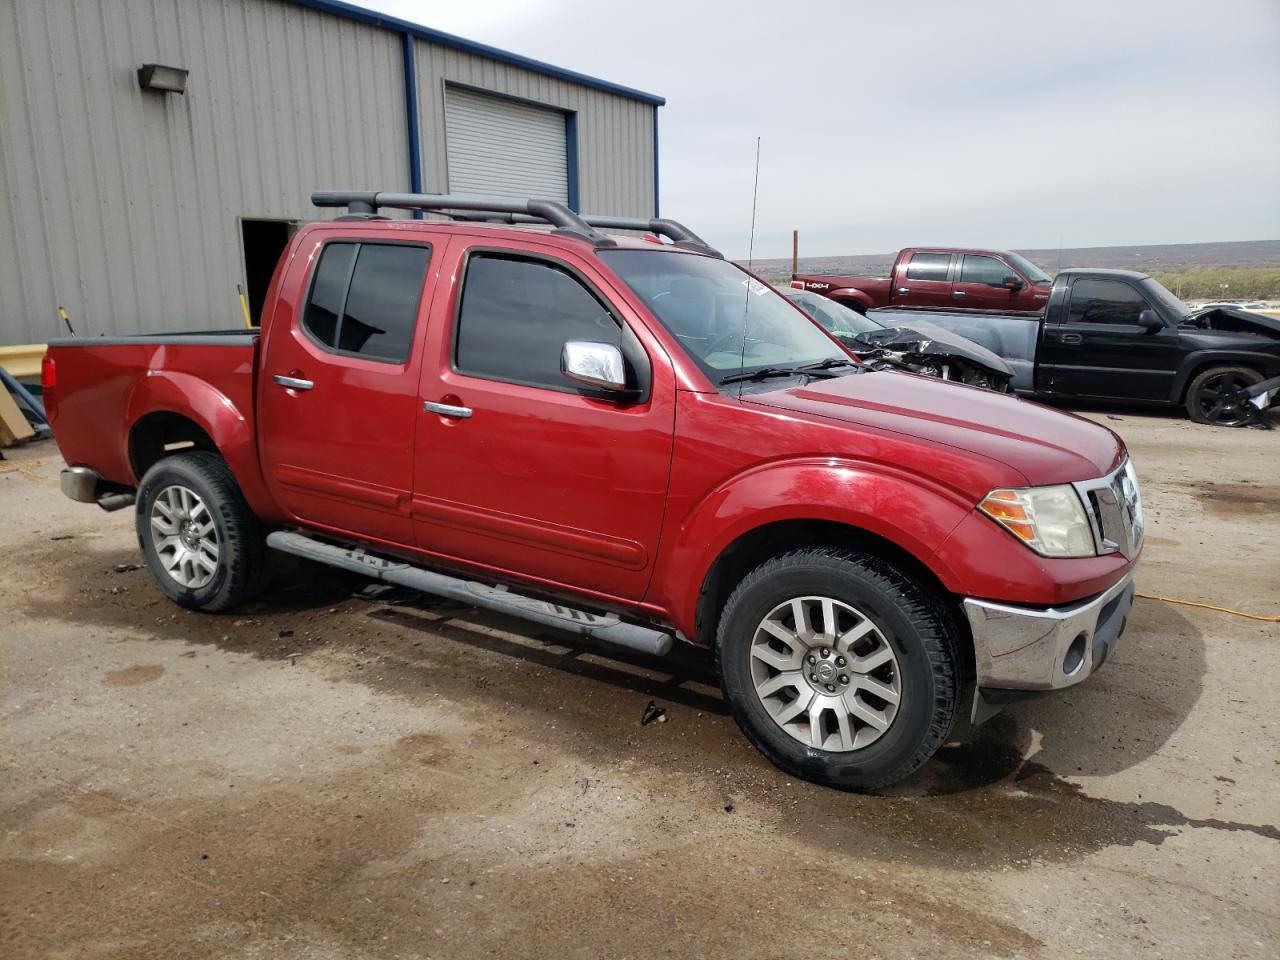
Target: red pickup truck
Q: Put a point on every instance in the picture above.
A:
(630, 440)
(942, 278)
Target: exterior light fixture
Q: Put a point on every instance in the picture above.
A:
(154, 76)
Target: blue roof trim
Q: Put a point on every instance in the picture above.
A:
(351, 12)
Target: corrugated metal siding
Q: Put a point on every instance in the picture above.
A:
(504, 147)
(122, 204)
(615, 134)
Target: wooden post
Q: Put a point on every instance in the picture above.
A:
(795, 252)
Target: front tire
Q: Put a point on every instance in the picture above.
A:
(838, 667)
(202, 543)
(1216, 396)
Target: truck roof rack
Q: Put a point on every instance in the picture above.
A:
(497, 209)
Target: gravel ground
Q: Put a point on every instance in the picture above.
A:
(327, 776)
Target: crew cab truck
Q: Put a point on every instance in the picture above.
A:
(1119, 335)
(942, 278)
(630, 440)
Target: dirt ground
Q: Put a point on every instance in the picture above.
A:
(328, 776)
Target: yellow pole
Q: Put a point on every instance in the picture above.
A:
(244, 307)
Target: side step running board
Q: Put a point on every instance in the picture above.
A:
(607, 627)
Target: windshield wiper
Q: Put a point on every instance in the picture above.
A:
(827, 364)
(764, 373)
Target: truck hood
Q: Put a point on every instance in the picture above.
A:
(1225, 320)
(1044, 445)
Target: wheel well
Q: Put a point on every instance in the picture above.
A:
(159, 435)
(1204, 365)
(755, 547)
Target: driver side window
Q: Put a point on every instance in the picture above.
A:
(1105, 301)
(986, 270)
(516, 315)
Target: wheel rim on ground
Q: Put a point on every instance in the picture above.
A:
(826, 674)
(1222, 398)
(185, 536)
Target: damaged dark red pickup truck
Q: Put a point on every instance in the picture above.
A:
(633, 441)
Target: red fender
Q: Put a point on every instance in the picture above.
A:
(908, 510)
(187, 395)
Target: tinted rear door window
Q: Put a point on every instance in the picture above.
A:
(929, 266)
(364, 299)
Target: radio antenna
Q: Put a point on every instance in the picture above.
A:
(751, 250)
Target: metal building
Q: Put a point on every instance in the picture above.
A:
(139, 208)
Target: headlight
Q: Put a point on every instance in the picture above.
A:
(1049, 520)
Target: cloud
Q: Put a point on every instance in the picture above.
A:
(1027, 124)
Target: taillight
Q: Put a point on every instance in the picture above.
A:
(49, 387)
(797, 284)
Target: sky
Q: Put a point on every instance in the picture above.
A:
(1020, 125)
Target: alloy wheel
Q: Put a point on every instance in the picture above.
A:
(185, 536)
(825, 673)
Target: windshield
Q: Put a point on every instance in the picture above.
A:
(833, 316)
(709, 304)
(1033, 273)
(1157, 291)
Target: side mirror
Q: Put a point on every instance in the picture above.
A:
(598, 365)
(1150, 320)
(1012, 283)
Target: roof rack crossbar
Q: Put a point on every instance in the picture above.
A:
(538, 211)
(491, 209)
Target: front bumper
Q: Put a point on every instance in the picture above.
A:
(1029, 649)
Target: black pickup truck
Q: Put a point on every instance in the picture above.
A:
(1119, 335)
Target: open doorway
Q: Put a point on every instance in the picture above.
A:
(263, 242)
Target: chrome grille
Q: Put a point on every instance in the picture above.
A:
(1114, 506)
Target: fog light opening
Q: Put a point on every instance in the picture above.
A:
(1074, 659)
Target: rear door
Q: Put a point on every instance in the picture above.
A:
(923, 281)
(980, 284)
(1097, 348)
(338, 395)
(518, 468)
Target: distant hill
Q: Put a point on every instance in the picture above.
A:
(1150, 259)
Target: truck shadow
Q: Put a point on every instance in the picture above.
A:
(998, 794)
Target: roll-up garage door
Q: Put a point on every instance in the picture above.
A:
(502, 147)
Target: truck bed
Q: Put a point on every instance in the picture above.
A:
(106, 382)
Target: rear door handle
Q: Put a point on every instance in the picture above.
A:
(293, 383)
(1072, 338)
(957, 293)
(447, 410)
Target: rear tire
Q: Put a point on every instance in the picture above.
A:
(202, 544)
(870, 634)
(1216, 396)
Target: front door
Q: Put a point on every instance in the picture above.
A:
(1100, 350)
(520, 469)
(923, 282)
(339, 392)
(980, 285)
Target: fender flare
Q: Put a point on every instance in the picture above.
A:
(186, 395)
(845, 294)
(1267, 364)
(912, 512)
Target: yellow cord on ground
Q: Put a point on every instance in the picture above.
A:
(1210, 606)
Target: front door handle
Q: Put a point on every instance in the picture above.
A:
(293, 383)
(903, 291)
(447, 410)
(957, 293)
(1072, 338)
